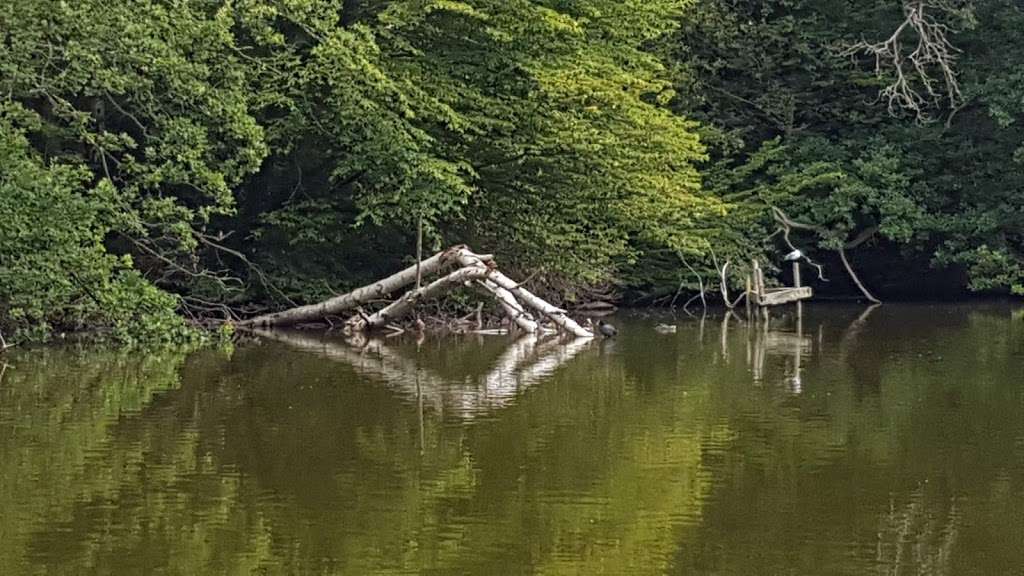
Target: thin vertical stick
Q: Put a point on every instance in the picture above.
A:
(419, 251)
(796, 274)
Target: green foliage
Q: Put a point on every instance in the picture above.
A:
(254, 152)
(794, 123)
(841, 189)
(535, 130)
(55, 270)
(126, 127)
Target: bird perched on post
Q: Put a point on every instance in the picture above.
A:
(606, 329)
(794, 256)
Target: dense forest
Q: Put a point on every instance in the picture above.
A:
(165, 160)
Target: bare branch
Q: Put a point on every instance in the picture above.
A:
(920, 57)
(209, 241)
(788, 224)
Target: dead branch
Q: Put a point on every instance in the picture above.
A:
(918, 68)
(355, 298)
(193, 303)
(209, 241)
(700, 284)
(406, 303)
(856, 280)
(787, 225)
(557, 315)
(862, 237)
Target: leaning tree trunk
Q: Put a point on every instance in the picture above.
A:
(407, 302)
(853, 276)
(478, 268)
(557, 315)
(357, 297)
(512, 307)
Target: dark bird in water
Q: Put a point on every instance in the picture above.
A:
(606, 330)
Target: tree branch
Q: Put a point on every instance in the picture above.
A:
(913, 88)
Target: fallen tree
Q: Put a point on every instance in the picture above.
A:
(557, 315)
(407, 302)
(475, 269)
(351, 300)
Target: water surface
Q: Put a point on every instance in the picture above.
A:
(888, 441)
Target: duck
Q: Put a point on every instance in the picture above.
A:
(665, 328)
(606, 329)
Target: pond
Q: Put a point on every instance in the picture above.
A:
(848, 441)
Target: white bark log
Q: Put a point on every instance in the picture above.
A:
(513, 308)
(406, 303)
(338, 304)
(467, 258)
(509, 294)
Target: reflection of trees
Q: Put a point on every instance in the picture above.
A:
(917, 476)
(655, 456)
(917, 539)
(534, 484)
(77, 465)
(279, 462)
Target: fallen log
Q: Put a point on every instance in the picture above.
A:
(466, 257)
(477, 268)
(512, 307)
(348, 301)
(407, 302)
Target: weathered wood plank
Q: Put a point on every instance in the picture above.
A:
(779, 296)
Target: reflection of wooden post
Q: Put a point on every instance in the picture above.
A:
(419, 407)
(799, 304)
(725, 336)
(797, 382)
(759, 352)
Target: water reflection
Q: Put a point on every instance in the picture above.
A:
(837, 441)
(527, 360)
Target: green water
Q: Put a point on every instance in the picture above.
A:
(887, 442)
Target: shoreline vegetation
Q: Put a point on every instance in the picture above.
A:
(172, 167)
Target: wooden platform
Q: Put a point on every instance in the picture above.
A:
(760, 295)
(777, 296)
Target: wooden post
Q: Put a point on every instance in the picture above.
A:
(796, 274)
(747, 297)
(758, 282)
